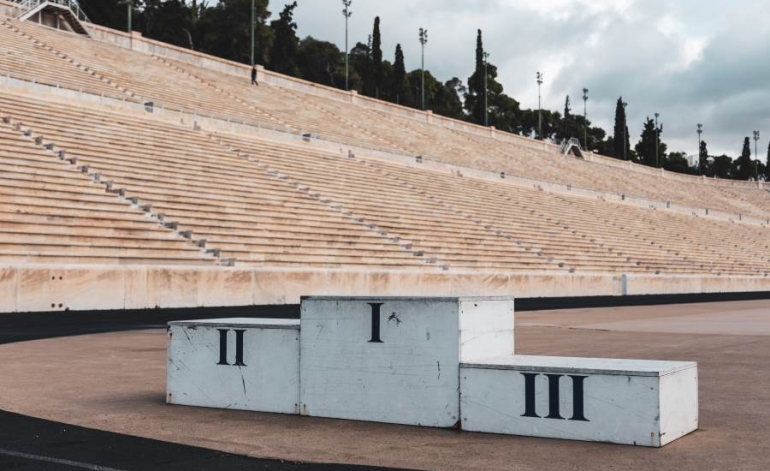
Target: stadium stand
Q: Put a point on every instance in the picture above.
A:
(180, 163)
(51, 212)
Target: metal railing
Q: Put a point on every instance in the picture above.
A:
(568, 144)
(25, 6)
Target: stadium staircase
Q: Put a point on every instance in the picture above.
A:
(53, 210)
(68, 10)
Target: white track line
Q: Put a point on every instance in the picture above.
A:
(74, 464)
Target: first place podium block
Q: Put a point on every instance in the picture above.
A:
(246, 364)
(396, 360)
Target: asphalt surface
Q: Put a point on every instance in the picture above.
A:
(27, 443)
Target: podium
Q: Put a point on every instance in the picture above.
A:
(434, 362)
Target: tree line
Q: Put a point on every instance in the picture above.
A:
(223, 29)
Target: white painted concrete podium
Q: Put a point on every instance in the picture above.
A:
(632, 402)
(247, 364)
(396, 359)
(439, 362)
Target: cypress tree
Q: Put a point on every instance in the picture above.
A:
(647, 152)
(565, 125)
(399, 76)
(703, 157)
(743, 168)
(474, 100)
(767, 164)
(621, 131)
(377, 57)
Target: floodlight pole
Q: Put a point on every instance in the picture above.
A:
(423, 42)
(657, 138)
(539, 108)
(130, 12)
(585, 118)
(347, 14)
(700, 163)
(486, 90)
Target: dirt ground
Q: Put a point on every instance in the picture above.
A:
(116, 382)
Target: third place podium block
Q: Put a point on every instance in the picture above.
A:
(632, 402)
(396, 360)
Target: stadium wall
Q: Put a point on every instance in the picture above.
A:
(82, 288)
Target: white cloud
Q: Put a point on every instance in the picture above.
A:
(692, 61)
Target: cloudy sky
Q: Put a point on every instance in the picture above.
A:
(692, 61)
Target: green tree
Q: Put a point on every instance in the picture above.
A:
(283, 55)
(321, 62)
(767, 164)
(677, 162)
(481, 84)
(440, 98)
(225, 31)
(566, 131)
(110, 13)
(361, 67)
(703, 156)
(743, 168)
(377, 67)
(172, 21)
(721, 167)
(621, 139)
(646, 147)
(399, 85)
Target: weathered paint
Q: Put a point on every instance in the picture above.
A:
(200, 372)
(633, 402)
(405, 370)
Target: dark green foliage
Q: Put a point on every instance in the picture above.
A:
(743, 167)
(677, 162)
(225, 31)
(703, 155)
(646, 149)
(621, 138)
(566, 129)
(171, 21)
(109, 13)
(378, 73)
(399, 85)
(767, 164)
(721, 167)
(321, 62)
(283, 55)
(440, 98)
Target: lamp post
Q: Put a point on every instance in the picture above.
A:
(756, 156)
(423, 42)
(486, 90)
(657, 138)
(700, 160)
(585, 118)
(539, 112)
(625, 128)
(347, 14)
(130, 12)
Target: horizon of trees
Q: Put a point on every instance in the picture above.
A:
(222, 28)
